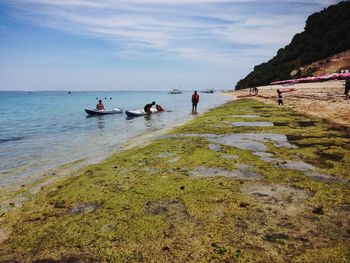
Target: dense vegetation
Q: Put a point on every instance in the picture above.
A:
(326, 34)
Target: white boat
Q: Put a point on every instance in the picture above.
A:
(208, 91)
(175, 91)
(135, 113)
(103, 112)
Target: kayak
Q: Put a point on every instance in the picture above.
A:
(103, 112)
(135, 113)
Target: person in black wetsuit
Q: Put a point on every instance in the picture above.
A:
(148, 107)
(280, 98)
(347, 88)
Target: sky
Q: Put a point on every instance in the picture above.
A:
(142, 44)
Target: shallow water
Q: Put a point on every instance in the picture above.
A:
(252, 124)
(253, 141)
(202, 172)
(43, 130)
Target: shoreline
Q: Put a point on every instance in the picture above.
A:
(14, 194)
(212, 189)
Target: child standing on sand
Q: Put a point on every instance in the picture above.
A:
(280, 98)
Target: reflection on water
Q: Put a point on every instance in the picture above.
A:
(98, 119)
(100, 122)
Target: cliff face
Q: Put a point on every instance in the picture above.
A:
(326, 35)
(333, 64)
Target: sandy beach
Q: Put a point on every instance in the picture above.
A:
(323, 100)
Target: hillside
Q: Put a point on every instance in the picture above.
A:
(325, 35)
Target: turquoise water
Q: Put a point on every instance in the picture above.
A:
(43, 130)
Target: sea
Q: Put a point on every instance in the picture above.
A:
(41, 131)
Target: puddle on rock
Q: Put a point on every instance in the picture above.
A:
(202, 172)
(253, 141)
(324, 177)
(252, 124)
(83, 208)
(243, 167)
(245, 116)
(263, 154)
(296, 165)
(267, 157)
(215, 147)
(270, 160)
(285, 199)
(205, 135)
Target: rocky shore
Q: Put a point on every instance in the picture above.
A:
(245, 182)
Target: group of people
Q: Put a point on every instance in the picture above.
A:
(148, 107)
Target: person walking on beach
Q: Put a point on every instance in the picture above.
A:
(347, 88)
(195, 100)
(148, 107)
(100, 106)
(280, 98)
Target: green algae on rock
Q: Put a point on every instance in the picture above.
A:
(141, 205)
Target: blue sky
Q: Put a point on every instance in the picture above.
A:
(142, 44)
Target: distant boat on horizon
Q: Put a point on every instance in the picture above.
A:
(175, 91)
(208, 91)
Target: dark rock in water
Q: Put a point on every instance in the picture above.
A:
(318, 210)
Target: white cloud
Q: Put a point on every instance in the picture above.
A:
(217, 31)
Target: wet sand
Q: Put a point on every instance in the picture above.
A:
(323, 100)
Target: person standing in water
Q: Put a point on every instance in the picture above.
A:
(100, 106)
(195, 100)
(280, 98)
